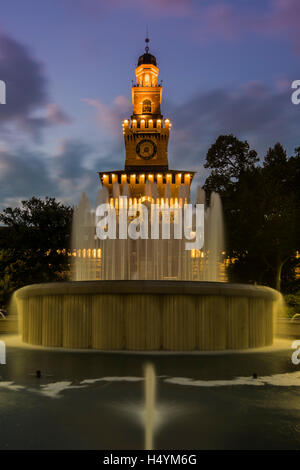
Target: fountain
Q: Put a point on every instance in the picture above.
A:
(147, 294)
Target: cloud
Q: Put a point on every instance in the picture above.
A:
(27, 99)
(70, 171)
(155, 8)
(110, 117)
(64, 174)
(56, 116)
(260, 114)
(221, 19)
(273, 18)
(23, 174)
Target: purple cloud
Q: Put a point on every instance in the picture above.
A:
(27, 101)
(272, 19)
(110, 117)
(260, 114)
(155, 8)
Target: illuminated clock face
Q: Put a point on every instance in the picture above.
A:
(146, 149)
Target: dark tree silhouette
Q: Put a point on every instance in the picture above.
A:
(34, 243)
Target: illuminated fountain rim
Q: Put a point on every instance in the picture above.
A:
(147, 315)
(163, 287)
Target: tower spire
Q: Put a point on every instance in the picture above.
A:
(147, 40)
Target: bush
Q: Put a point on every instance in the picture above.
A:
(292, 303)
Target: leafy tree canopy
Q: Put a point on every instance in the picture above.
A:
(262, 208)
(34, 240)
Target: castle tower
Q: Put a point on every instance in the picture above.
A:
(146, 138)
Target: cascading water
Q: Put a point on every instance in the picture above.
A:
(145, 259)
(156, 307)
(214, 231)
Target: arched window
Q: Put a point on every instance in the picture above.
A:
(146, 106)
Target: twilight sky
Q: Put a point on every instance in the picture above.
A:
(226, 65)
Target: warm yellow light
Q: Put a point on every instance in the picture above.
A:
(187, 178)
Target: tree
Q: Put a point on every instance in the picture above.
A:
(34, 243)
(280, 238)
(228, 158)
(261, 205)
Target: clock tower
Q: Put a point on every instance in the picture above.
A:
(146, 138)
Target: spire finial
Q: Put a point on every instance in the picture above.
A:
(147, 40)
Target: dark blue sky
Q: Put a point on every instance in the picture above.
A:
(226, 65)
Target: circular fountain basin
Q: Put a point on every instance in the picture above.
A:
(147, 315)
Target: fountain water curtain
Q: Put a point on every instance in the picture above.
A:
(147, 294)
(151, 259)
